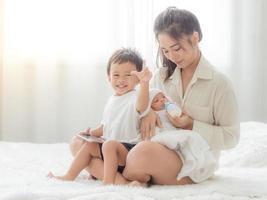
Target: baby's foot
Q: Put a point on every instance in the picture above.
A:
(138, 184)
(63, 178)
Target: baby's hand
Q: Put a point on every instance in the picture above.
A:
(144, 76)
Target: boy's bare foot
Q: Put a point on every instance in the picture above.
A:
(138, 184)
(63, 178)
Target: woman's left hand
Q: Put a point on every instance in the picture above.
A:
(184, 121)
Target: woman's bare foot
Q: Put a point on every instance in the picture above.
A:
(63, 178)
(138, 184)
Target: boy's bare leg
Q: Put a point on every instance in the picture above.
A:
(96, 168)
(75, 144)
(114, 154)
(81, 160)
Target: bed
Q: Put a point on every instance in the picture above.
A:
(23, 168)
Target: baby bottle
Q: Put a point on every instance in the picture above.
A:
(173, 109)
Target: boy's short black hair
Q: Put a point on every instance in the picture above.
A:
(125, 55)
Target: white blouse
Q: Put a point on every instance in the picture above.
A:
(209, 100)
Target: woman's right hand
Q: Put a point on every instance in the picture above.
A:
(148, 125)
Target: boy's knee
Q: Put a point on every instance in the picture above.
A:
(75, 145)
(109, 146)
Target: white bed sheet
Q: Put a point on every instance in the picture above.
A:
(23, 168)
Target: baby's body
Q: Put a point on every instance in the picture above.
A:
(167, 125)
(158, 101)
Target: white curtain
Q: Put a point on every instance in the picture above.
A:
(1, 58)
(53, 78)
(249, 57)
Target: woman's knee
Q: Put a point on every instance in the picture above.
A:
(152, 159)
(137, 162)
(138, 158)
(141, 152)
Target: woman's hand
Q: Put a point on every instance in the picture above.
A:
(184, 121)
(148, 125)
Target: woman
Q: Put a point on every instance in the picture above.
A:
(206, 96)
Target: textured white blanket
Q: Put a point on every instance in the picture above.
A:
(23, 168)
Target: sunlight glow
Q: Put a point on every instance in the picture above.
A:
(48, 30)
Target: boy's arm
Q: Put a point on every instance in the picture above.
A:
(142, 97)
(98, 132)
(142, 100)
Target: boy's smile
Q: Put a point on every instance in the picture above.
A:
(121, 79)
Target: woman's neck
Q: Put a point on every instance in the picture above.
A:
(189, 70)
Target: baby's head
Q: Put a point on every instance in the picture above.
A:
(119, 68)
(158, 99)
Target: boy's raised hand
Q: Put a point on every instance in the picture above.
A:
(144, 76)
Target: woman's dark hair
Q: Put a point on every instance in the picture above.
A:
(125, 55)
(176, 23)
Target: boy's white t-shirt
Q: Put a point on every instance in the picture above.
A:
(121, 119)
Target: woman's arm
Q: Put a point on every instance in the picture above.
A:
(225, 132)
(184, 121)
